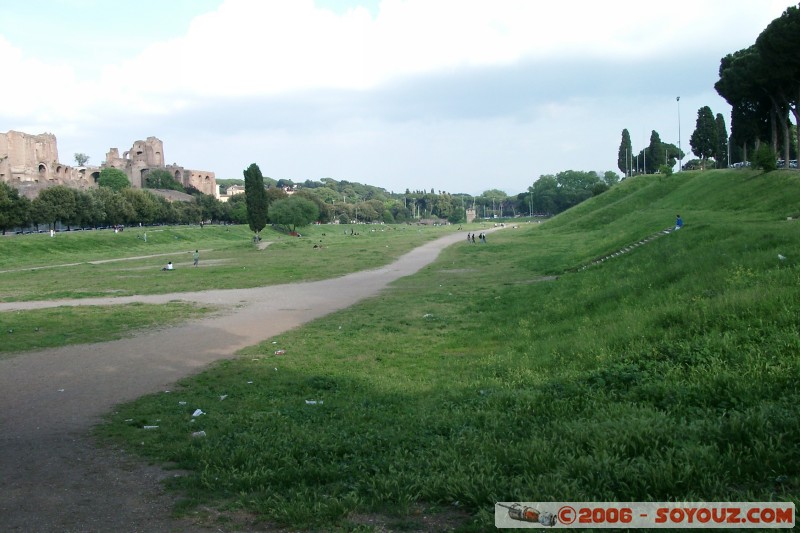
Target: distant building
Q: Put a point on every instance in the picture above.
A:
(471, 215)
(233, 190)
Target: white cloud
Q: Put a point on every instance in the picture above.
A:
(423, 90)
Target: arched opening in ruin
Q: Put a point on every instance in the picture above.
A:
(58, 169)
(95, 176)
(42, 169)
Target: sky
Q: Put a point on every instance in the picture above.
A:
(460, 96)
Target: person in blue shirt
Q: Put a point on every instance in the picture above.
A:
(678, 222)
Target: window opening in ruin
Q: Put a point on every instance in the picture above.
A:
(42, 169)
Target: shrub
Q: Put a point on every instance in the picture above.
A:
(765, 158)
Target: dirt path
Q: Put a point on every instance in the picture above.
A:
(53, 477)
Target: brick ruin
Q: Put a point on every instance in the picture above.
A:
(145, 156)
(29, 163)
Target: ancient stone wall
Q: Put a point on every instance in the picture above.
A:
(29, 163)
(145, 156)
(202, 180)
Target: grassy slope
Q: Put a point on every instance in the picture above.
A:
(668, 373)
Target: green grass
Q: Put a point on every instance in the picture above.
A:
(668, 373)
(102, 263)
(49, 328)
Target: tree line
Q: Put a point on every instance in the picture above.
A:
(657, 157)
(762, 85)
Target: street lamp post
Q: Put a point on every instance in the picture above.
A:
(680, 150)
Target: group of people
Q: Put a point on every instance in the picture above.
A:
(481, 237)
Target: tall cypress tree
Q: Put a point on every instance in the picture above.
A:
(255, 198)
(625, 153)
(721, 149)
(704, 138)
(656, 156)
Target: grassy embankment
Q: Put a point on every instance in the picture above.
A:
(102, 263)
(668, 373)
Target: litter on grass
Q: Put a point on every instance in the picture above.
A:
(314, 402)
(197, 412)
(199, 434)
(150, 427)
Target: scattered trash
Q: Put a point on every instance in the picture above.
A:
(181, 403)
(149, 427)
(314, 402)
(280, 352)
(782, 257)
(129, 420)
(223, 397)
(274, 342)
(276, 369)
(427, 315)
(197, 412)
(249, 382)
(198, 434)
(60, 390)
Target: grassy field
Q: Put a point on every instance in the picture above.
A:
(505, 372)
(102, 263)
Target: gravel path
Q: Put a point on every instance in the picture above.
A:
(53, 477)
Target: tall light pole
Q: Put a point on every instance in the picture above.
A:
(680, 150)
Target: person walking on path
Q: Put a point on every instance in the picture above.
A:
(196, 257)
(678, 222)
